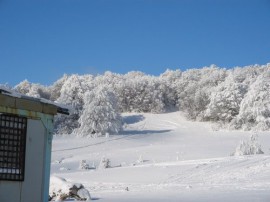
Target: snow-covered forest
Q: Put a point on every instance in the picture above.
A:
(237, 98)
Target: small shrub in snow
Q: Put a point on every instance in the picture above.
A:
(64, 169)
(250, 147)
(104, 163)
(84, 165)
(140, 159)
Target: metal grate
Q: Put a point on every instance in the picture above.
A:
(12, 147)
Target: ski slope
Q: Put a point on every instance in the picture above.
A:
(164, 157)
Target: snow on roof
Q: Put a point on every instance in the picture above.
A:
(62, 109)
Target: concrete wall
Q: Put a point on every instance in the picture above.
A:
(32, 188)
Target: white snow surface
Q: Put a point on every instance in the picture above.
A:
(164, 157)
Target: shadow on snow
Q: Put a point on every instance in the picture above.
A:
(143, 132)
(131, 119)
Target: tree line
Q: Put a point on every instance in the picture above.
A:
(237, 98)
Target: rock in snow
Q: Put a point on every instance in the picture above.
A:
(60, 189)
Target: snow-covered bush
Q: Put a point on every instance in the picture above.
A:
(140, 159)
(83, 165)
(104, 163)
(249, 147)
(100, 113)
(60, 190)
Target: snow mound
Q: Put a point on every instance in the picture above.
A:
(60, 189)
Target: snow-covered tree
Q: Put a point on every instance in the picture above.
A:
(109, 79)
(33, 89)
(255, 107)
(100, 113)
(168, 85)
(149, 96)
(39, 91)
(225, 100)
(195, 87)
(23, 87)
(237, 97)
(247, 75)
(140, 93)
(55, 89)
(72, 94)
(5, 86)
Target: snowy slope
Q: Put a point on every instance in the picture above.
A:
(163, 157)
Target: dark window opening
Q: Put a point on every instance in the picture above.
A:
(12, 147)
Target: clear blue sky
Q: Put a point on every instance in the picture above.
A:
(40, 40)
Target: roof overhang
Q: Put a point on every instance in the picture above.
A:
(19, 101)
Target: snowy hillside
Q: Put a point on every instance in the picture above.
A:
(237, 98)
(164, 157)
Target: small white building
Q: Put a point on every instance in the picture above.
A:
(26, 130)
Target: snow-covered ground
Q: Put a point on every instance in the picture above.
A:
(164, 157)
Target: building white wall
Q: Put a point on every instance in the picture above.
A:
(10, 191)
(32, 188)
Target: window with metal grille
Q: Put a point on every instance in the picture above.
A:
(12, 147)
